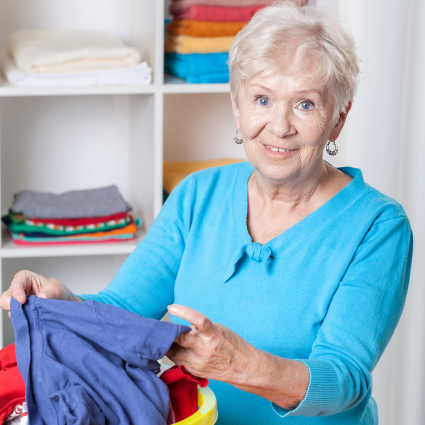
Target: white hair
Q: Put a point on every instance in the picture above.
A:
(284, 35)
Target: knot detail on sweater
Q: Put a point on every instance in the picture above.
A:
(254, 250)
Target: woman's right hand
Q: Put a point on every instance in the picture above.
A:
(29, 283)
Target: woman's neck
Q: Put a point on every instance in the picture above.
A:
(294, 192)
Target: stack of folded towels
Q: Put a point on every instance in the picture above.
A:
(200, 34)
(71, 58)
(84, 216)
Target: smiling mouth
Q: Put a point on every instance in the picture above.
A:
(273, 149)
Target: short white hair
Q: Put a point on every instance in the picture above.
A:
(301, 36)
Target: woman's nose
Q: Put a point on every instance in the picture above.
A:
(280, 123)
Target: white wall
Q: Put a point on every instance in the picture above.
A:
(384, 137)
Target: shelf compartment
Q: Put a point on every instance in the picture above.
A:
(199, 134)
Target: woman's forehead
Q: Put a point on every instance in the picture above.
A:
(280, 82)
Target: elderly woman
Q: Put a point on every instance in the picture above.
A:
(293, 273)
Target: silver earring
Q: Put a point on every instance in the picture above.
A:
(237, 140)
(328, 149)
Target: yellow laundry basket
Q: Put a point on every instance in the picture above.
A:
(207, 413)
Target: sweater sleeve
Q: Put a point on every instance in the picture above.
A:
(360, 321)
(145, 282)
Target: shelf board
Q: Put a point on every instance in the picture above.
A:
(171, 85)
(178, 85)
(7, 90)
(10, 250)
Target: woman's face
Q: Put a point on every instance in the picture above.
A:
(285, 123)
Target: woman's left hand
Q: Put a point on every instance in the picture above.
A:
(211, 350)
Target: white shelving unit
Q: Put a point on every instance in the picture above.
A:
(57, 139)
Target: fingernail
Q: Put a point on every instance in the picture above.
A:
(19, 298)
(172, 308)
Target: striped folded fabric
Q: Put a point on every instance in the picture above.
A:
(116, 225)
(201, 33)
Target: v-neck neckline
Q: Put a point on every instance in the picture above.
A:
(305, 227)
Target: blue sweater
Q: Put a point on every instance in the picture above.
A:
(328, 291)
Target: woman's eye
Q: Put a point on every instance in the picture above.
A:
(306, 106)
(263, 101)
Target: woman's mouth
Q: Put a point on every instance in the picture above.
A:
(277, 151)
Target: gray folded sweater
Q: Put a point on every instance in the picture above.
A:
(99, 202)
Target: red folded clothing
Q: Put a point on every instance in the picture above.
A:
(12, 386)
(220, 14)
(183, 388)
(177, 5)
(80, 221)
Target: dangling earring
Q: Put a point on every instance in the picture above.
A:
(237, 140)
(328, 149)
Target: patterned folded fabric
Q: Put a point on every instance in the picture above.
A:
(204, 28)
(187, 44)
(76, 221)
(18, 225)
(220, 14)
(198, 67)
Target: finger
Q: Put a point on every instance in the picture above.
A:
(201, 322)
(24, 282)
(194, 330)
(179, 354)
(42, 295)
(5, 301)
(187, 340)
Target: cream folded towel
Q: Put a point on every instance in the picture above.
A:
(67, 51)
(140, 74)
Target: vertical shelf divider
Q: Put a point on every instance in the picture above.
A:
(158, 152)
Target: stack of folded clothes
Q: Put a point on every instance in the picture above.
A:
(71, 58)
(199, 37)
(84, 216)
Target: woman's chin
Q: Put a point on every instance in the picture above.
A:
(277, 171)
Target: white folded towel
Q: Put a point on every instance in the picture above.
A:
(139, 74)
(67, 51)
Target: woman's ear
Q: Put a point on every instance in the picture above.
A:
(236, 112)
(340, 124)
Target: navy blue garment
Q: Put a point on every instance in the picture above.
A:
(91, 363)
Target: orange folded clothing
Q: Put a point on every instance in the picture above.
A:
(204, 28)
(130, 228)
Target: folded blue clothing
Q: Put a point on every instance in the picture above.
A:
(198, 67)
(91, 363)
(197, 63)
(203, 78)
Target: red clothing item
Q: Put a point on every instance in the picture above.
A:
(220, 14)
(12, 387)
(183, 388)
(80, 221)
